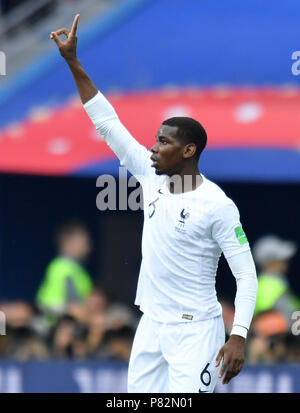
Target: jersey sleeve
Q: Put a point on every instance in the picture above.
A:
(134, 156)
(243, 269)
(227, 229)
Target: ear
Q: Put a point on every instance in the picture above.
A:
(189, 150)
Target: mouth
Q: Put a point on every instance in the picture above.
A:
(154, 161)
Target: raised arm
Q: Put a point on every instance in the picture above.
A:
(68, 49)
(132, 155)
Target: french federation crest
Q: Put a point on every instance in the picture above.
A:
(184, 215)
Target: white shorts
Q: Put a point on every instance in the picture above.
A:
(175, 358)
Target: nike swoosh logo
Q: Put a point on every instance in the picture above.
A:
(203, 391)
(159, 191)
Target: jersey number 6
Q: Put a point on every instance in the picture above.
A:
(151, 208)
(205, 376)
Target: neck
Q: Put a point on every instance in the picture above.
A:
(188, 179)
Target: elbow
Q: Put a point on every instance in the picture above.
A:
(105, 126)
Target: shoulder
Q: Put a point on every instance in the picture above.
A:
(217, 200)
(60, 266)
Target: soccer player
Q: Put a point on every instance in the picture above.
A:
(179, 345)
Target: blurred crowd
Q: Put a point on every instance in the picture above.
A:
(73, 319)
(88, 330)
(274, 335)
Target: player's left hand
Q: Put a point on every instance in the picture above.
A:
(233, 357)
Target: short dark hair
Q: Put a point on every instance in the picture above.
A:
(189, 131)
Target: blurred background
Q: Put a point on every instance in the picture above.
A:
(68, 271)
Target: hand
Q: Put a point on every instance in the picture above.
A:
(233, 354)
(67, 48)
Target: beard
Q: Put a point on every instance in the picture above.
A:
(157, 172)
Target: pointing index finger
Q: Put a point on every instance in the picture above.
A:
(74, 25)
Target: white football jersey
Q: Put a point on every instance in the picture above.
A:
(183, 236)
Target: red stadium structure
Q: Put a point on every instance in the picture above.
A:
(63, 141)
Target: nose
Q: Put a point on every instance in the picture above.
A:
(154, 148)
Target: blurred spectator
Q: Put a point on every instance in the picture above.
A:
(257, 348)
(93, 313)
(69, 339)
(22, 342)
(66, 280)
(97, 327)
(266, 342)
(88, 329)
(118, 343)
(119, 315)
(62, 337)
(25, 345)
(17, 313)
(272, 255)
(4, 345)
(80, 348)
(102, 315)
(270, 323)
(292, 343)
(96, 302)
